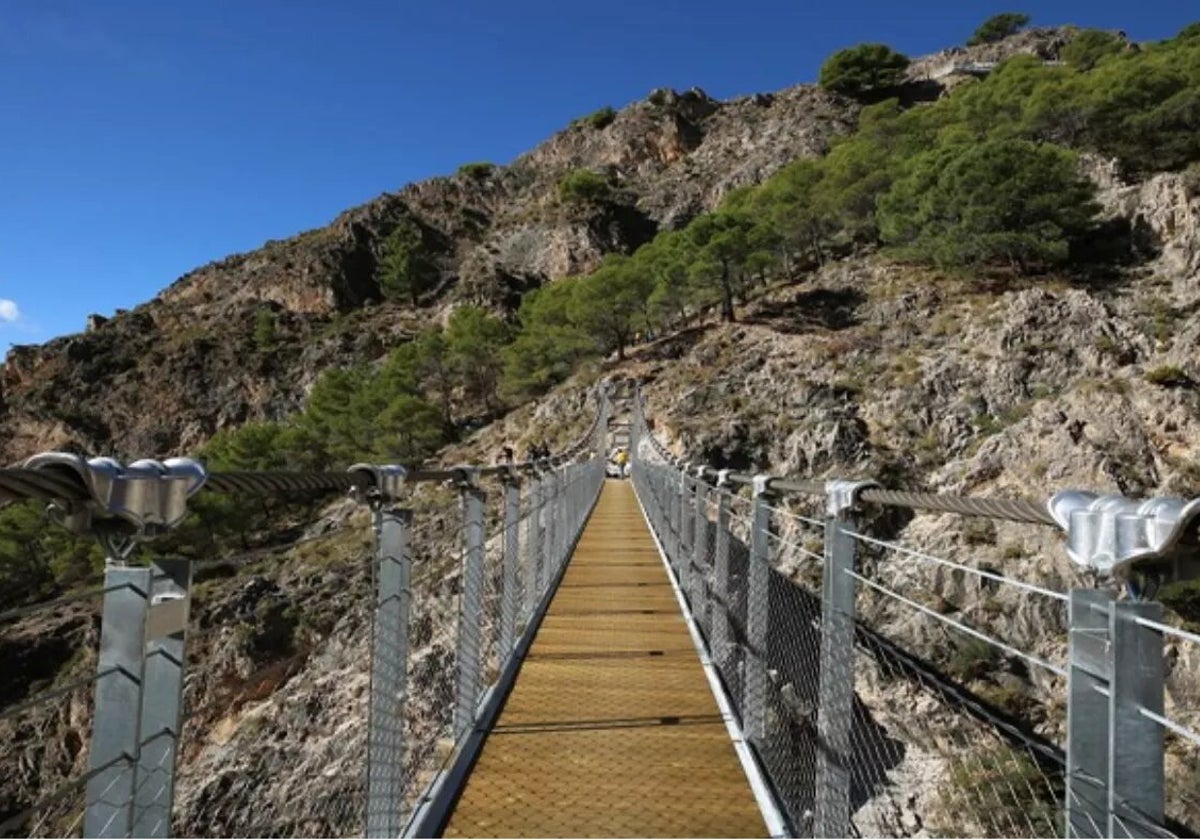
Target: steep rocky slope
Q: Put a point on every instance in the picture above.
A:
(164, 377)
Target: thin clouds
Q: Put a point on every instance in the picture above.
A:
(10, 313)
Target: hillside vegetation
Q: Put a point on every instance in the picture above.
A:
(986, 179)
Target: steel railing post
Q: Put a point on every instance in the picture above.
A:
(671, 517)
(389, 671)
(162, 696)
(683, 521)
(835, 698)
(757, 615)
(108, 808)
(1088, 742)
(471, 608)
(1136, 766)
(512, 560)
(720, 592)
(537, 547)
(700, 548)
(550, 494)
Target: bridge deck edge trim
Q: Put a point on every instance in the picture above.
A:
(767, 805)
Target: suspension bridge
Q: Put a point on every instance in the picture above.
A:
(690, 652)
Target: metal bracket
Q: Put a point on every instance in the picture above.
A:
(150, 496)
(388, 482)
(465, 475)
(1158, 539)
(760, 485)
(723, 478)
(842, 496)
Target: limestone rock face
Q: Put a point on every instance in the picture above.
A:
(166, 376)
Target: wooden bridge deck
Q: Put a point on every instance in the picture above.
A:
(611, 728)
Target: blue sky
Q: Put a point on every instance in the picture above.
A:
(143, 139)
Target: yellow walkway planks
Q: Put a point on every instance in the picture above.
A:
(611, 728)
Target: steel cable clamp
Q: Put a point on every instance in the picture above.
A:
(1144, 542)
(843, 496)
(128, 503)
(377, 482)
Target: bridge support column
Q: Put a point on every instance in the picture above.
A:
(389, 672)
(835, 699)
(471, 608)
(754, 698)
(1115, 764)
(135, 729)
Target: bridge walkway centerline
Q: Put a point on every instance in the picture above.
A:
(611, 728)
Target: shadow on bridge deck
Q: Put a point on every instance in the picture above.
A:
(611, 728)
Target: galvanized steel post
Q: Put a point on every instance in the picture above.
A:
(550, 512)
(136, 715)
(720, 582)
(512, 560)
(1115, 753)
(537, 546)
(112, 760)
(835, 700)
(389, 671)
(683, 557)
(1088, 742)
(670, 487)
(1136, 766)
(757, 616)
(162, 696)
(699, 548)
(471, 607)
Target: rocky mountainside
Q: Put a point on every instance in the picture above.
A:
(865, 368)
(167, 375)
(162, 378)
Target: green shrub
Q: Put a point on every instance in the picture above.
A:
(1192, 30)
(1183, 598)
(264, 329)
(866, 67)
(998, 27)
(1089, 47)
(601, 118)
(973, 658)
(406, 268)
(1168, 376)
(584, 186)
(995, 790)
(478, 170)
(999, 202)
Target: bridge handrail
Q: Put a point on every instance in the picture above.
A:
(507, 561)
(767, 607)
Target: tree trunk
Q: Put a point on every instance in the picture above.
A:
(727, 313)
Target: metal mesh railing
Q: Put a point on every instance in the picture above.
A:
(812, 617)
(326, 687)
(46, 700)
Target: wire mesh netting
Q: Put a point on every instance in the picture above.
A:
(45, 708)
(926, 747)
